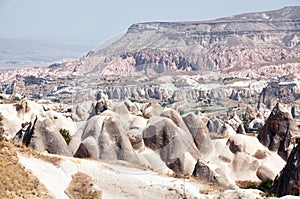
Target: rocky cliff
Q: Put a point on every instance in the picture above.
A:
(240, 41)
(287, 182)
(249, 41)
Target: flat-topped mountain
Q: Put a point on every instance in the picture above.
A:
(227, 44)
(259, 45)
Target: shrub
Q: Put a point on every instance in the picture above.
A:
(17, 98)
(264, 186)
(66, 135)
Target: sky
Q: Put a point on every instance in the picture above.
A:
(90, 22)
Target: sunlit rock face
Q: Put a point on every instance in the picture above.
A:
(279, 132)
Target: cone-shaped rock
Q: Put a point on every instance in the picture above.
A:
(279, 132)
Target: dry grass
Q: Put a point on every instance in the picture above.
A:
(15, 180)
(81, 187)
(28, 151)
(246, 184)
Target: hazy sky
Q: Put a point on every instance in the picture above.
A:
(92, 21)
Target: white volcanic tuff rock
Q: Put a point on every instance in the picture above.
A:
(211, 173)
(121, 111)
(235, 121)
(227, 130)
(175, 117)
(152, 109)
(105, 138)
(135, 132)
(215, 125)
(241, 193)
(101, 106)
(270, 166)
(120, 181)
(243, 158)
(247, 144)
(199, 132)
(83, 111)
(26, 110)
(46, 138)
(244, 167)
(175, 146)
(252, 157)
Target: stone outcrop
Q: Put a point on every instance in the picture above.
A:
(101, 106)
(46, 138)
(274, 93)
(279, 132)
(215, 125)
(204, 172)
(82, 152)
(199, 133)
(288, 181)
(175, 146)
(105, 138)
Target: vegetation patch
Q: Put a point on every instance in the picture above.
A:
(66, 134)
(264, 186)
(82, 187)
(15, 180)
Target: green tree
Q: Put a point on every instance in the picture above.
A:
(66, 135)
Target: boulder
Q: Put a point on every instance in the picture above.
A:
(174, 145)
(175, 117)
(227, 130)
(217, 176)
(102, 105)
(243, 143)
(265, 171)
(244, 167)
(279, 132)
(83, 111)
(199, 133)
(215, 125)
(131, 106)
(47, 138)
(82, 152)
(106, 138)
(152, 109)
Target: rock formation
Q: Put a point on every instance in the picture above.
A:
(199, 133)
(46, 138)
(104, 137)
(279, 132)
(288, 181)
(274, 93)
(175, 146)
